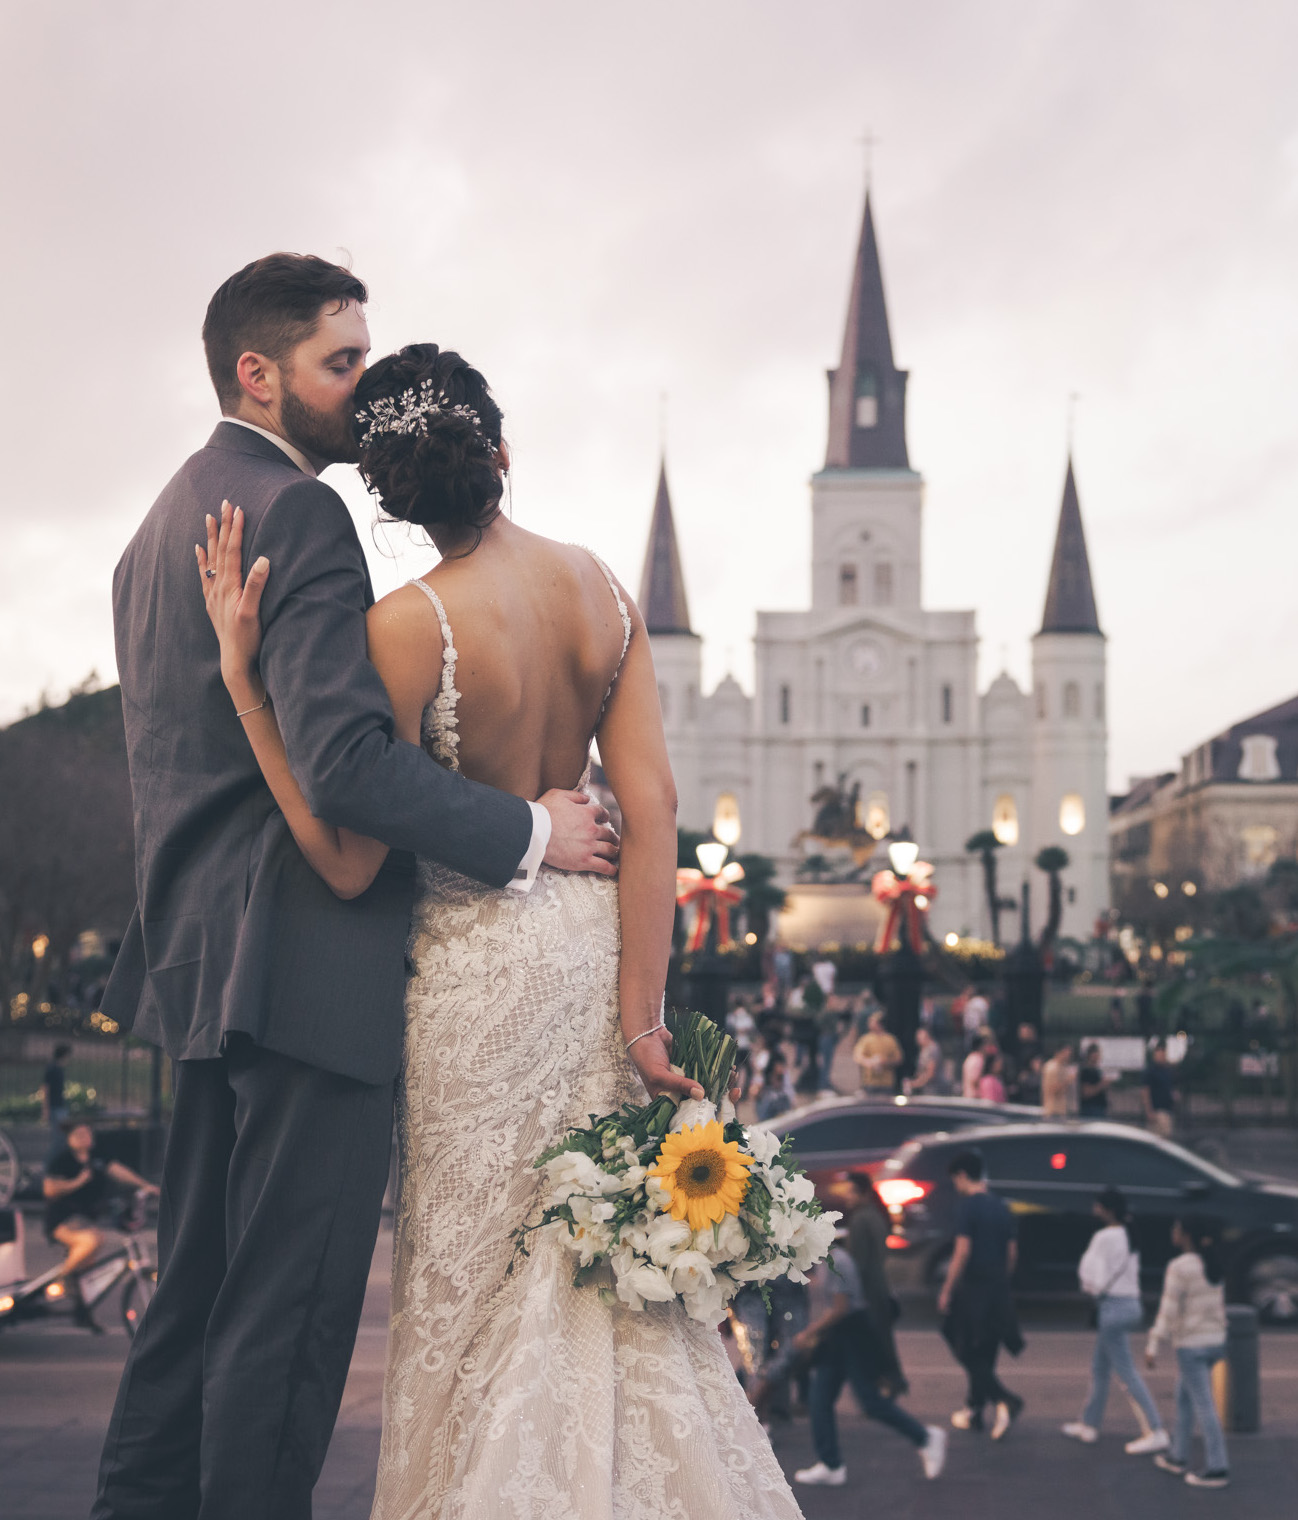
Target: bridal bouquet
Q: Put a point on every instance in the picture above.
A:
(678, 1200)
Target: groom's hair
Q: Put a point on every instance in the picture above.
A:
(269, 307)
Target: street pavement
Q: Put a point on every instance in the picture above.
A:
(57, 1386)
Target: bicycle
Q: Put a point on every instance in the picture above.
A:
(127, 1259)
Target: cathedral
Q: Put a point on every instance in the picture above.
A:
(866, 708)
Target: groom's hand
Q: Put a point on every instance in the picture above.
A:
(581, 836)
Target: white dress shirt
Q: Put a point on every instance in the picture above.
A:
(530, 864)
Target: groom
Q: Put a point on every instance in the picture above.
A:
(280, 1004)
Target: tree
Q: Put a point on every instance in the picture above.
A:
(1054, 862)
(985, 844)
(761, 895)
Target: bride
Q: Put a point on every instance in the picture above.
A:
(510, 1394)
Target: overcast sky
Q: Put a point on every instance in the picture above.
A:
(600, 203)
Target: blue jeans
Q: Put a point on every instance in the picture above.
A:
(1194, 1366)
(846, 1359)
(1118, 1317)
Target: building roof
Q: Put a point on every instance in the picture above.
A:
(866, 369)
(1070, 597)
(662, 583)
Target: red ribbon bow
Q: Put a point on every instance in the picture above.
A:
(711, 896)
(904, 911)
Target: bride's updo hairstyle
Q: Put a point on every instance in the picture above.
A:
(428, 429)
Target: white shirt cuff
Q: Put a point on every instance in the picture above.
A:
(531, 862)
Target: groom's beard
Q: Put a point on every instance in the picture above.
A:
(319, 434)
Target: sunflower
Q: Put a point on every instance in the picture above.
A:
(706, 1175)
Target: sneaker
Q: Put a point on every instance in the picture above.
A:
(1218, 1477)
(1006, 1414)
(821, 1476)
(967, 1419)
(933, 1452)
(1079, 1430)
(1169, 1465)
(1146, 1446)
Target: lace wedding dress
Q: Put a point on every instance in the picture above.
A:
(510, 1394)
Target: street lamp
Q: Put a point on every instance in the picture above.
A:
(902, 974)
(711, 856)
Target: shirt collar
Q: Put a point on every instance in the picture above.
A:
(296, 455)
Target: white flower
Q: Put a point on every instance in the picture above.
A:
(708, 1302)
(812, 1241)
(762, 1144)
(589, 1243)
(724, 1242)
(668, 1237)
(648, 1282)
(693, 1111)
(690, 1271)
(603, 1211)
(799, 1188)
(634, 1177)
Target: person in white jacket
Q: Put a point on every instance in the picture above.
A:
(1192, 1316)
(1110, 1273)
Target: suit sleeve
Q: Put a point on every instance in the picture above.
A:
(335, 715)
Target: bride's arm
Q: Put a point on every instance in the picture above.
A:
(633, 752)
(347, 862)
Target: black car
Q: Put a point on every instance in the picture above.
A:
(836, 1136)
(1050, 1174)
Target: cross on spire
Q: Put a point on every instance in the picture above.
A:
(869, 142)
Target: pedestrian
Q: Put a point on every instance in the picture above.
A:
(1109, 1272)
(829, 1030)
(868, 1227)
(1059, 1085)
(1145, 1012)
(879, 1057)
(927, 1080)
(991, 1085)
(1117, 1013)
(1027, 1081)
(1192, 1316)
(976, 1301)
(54, 1103)
(838, 1343)
(776, 1096)
(1092, 1086)
(971, 1070)
(976, 1009)
(1158, 1092)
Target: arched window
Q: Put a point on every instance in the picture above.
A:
(883, 583)
(1005, 819)
(867, 399)
(1041, 701)
(786, 703)
(948, 704)
(847, 585)
(1072, 700)
(865, 715)
(665, 701)
(691, 703)
(1072, 814)
(1099, 701)
(1259, 760)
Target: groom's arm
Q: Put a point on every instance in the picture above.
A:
(334, 713)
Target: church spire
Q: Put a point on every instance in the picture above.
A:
(1070, 598)
(867, 393)
(662, 585)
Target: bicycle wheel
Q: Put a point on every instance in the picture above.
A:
(9, 1169)
(135, 1300)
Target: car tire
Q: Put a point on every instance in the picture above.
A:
(1270, 1285)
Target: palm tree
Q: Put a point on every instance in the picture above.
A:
(985, 844)
(761, 895)
(1053, 861)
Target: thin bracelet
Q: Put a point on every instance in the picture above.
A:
(258, 707)
(645, 1033)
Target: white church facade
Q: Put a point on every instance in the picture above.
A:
(873, 696)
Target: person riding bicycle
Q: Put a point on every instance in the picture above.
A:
(77, 1185)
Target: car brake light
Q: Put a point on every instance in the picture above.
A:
(6, 1303)
(896, 1242)
(900, 1192)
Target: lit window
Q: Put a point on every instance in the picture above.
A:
(1072, 814)
(883, 583)
(867, 399)
(865, 715)
(786, 703)
(948, 703)
(878, 819)
(847, 585)
(1259, 761)
(1072, 700)
(1005, 820)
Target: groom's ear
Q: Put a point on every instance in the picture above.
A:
(258, 378)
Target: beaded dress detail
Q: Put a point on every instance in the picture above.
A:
(510, 1394)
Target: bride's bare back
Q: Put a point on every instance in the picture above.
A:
(538, 636)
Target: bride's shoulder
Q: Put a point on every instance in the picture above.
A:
(404, 618)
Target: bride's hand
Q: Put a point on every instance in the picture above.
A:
(233, 604)
(651, 1057)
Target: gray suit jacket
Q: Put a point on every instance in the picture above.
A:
(234, 931)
